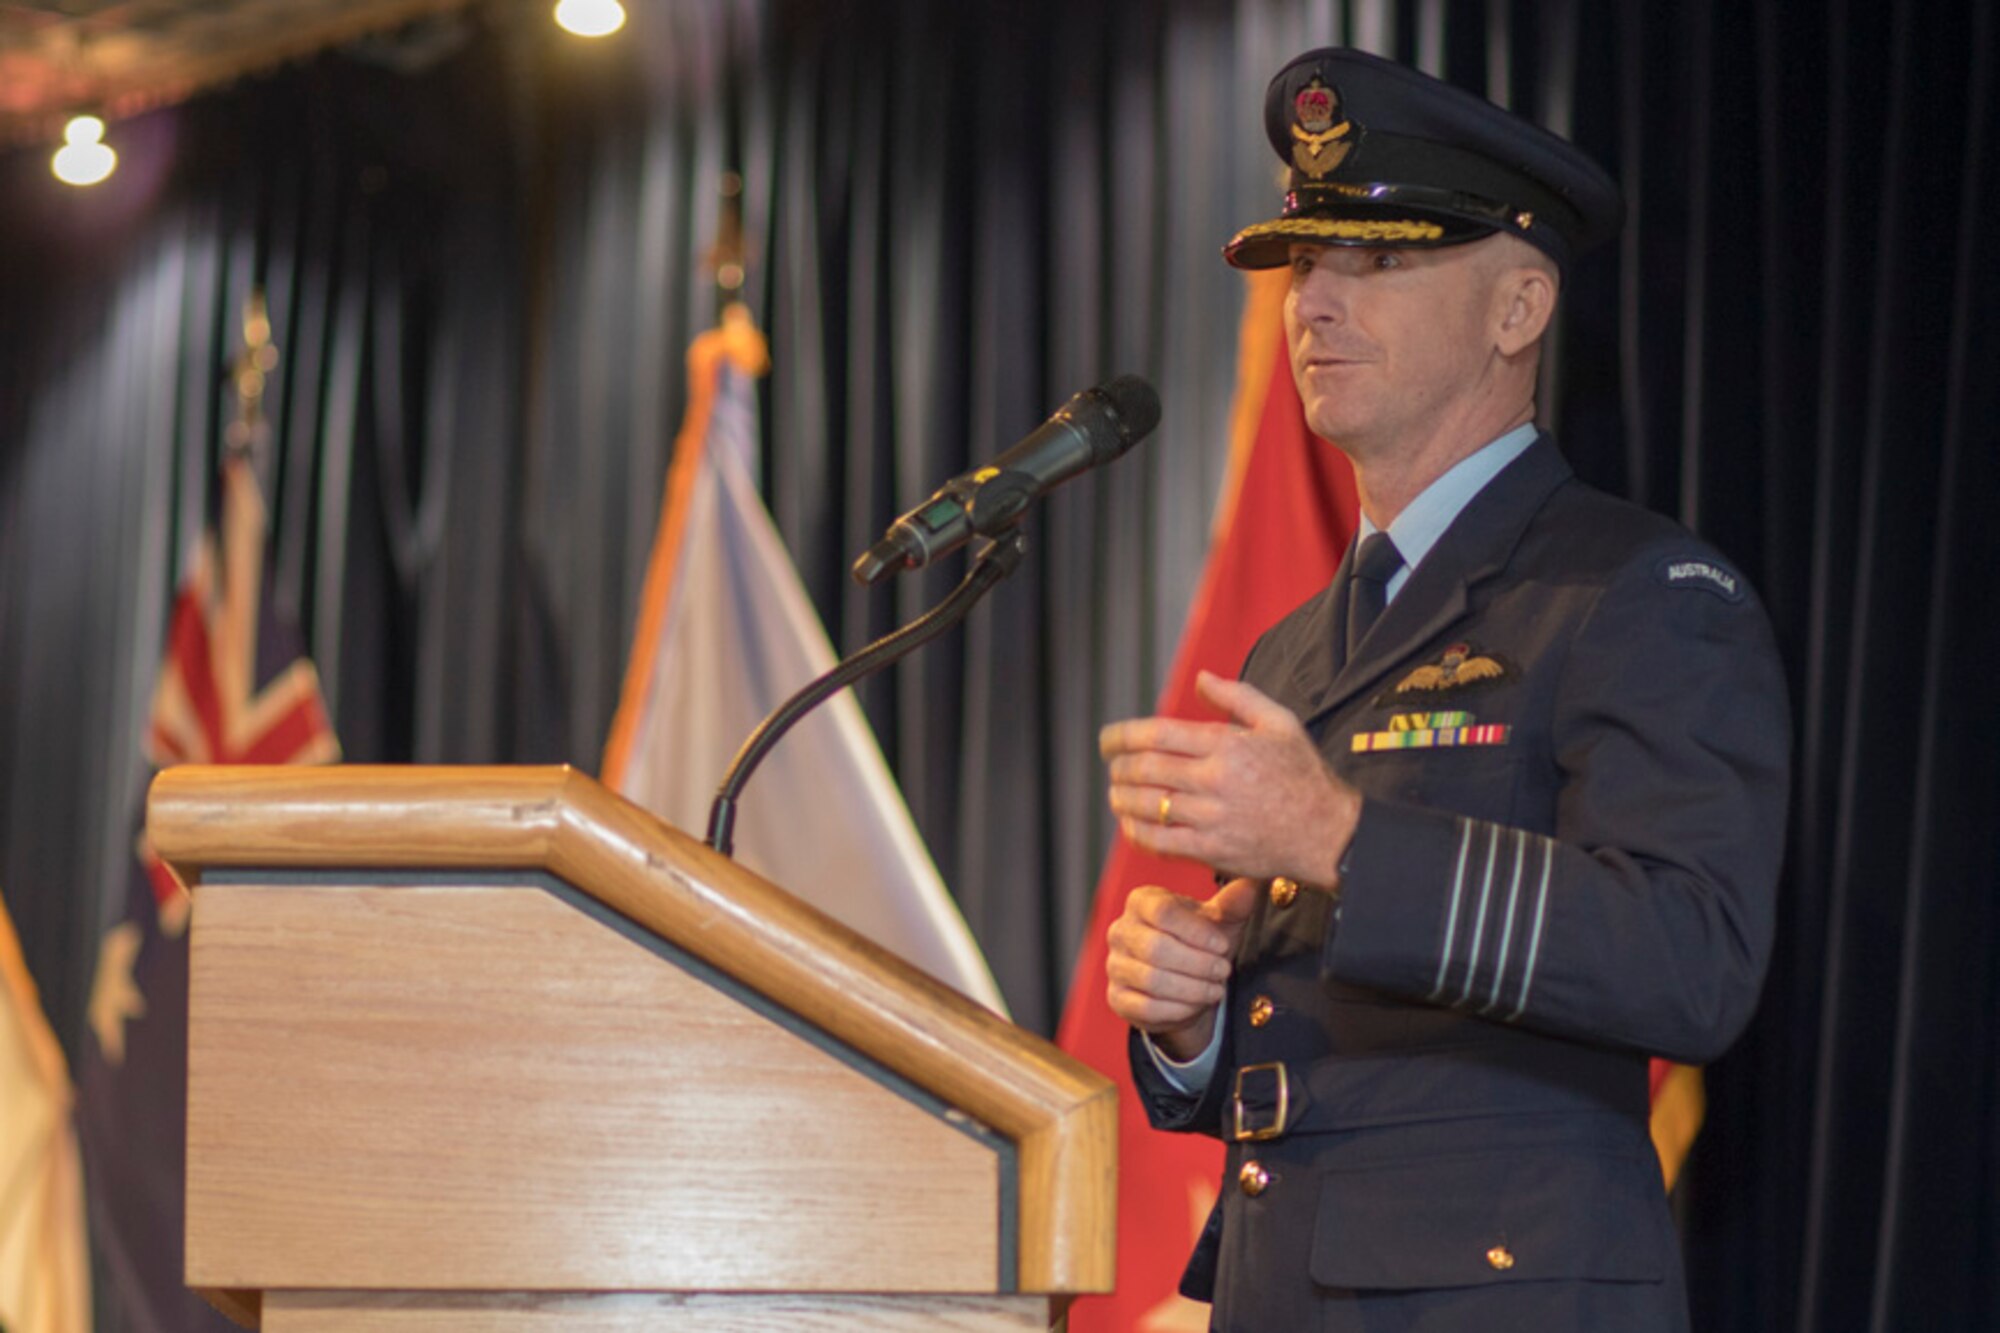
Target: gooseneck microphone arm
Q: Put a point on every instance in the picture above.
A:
(996, 561)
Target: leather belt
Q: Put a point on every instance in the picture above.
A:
(1328, 1095)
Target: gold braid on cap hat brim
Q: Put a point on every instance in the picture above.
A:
(1385, 230)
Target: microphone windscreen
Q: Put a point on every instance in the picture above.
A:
(1136, 408)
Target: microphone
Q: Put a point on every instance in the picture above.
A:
(1089, 430)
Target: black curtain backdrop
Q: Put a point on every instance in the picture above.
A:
(484, 252)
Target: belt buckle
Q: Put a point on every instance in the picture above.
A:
(1257, 1134)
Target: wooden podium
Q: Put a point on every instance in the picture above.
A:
(490, 1048)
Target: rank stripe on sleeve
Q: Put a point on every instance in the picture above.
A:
(1509, 902)
(1479, 918)
(1535, 939)
(1513, 892)
(1507, 936)
(1451, 911)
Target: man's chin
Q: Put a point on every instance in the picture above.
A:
(1333, 424)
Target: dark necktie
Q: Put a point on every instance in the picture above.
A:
(1368, 590)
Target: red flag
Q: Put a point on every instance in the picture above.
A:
(1286, 516)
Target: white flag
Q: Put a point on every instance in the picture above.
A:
(726, 633)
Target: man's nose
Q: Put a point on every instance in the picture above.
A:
(1322, 296)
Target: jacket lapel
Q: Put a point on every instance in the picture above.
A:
(1323, 649)
(1477, 545)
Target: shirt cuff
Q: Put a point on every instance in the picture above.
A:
(1189, 1077)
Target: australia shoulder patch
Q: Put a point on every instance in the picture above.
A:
(1694, 571)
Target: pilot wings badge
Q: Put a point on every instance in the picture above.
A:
(1459, 671)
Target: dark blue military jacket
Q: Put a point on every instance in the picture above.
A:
(1570, 732)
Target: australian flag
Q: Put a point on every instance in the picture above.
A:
(234, 688)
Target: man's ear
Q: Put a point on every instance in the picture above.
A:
(1525, 303)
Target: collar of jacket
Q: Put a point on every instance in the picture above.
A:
(1477, 545)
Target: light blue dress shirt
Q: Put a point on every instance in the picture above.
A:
(1414, 531)
(1424, 519)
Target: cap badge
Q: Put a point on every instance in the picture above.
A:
(1320, 138)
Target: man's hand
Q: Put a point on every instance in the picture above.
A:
(1169, 959)
(1250, 796)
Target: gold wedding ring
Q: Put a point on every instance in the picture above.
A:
(1166, 809)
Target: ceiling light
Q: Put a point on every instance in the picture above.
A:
(84, 158)
(590, 18)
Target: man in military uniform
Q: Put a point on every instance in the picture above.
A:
(1498, 814)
